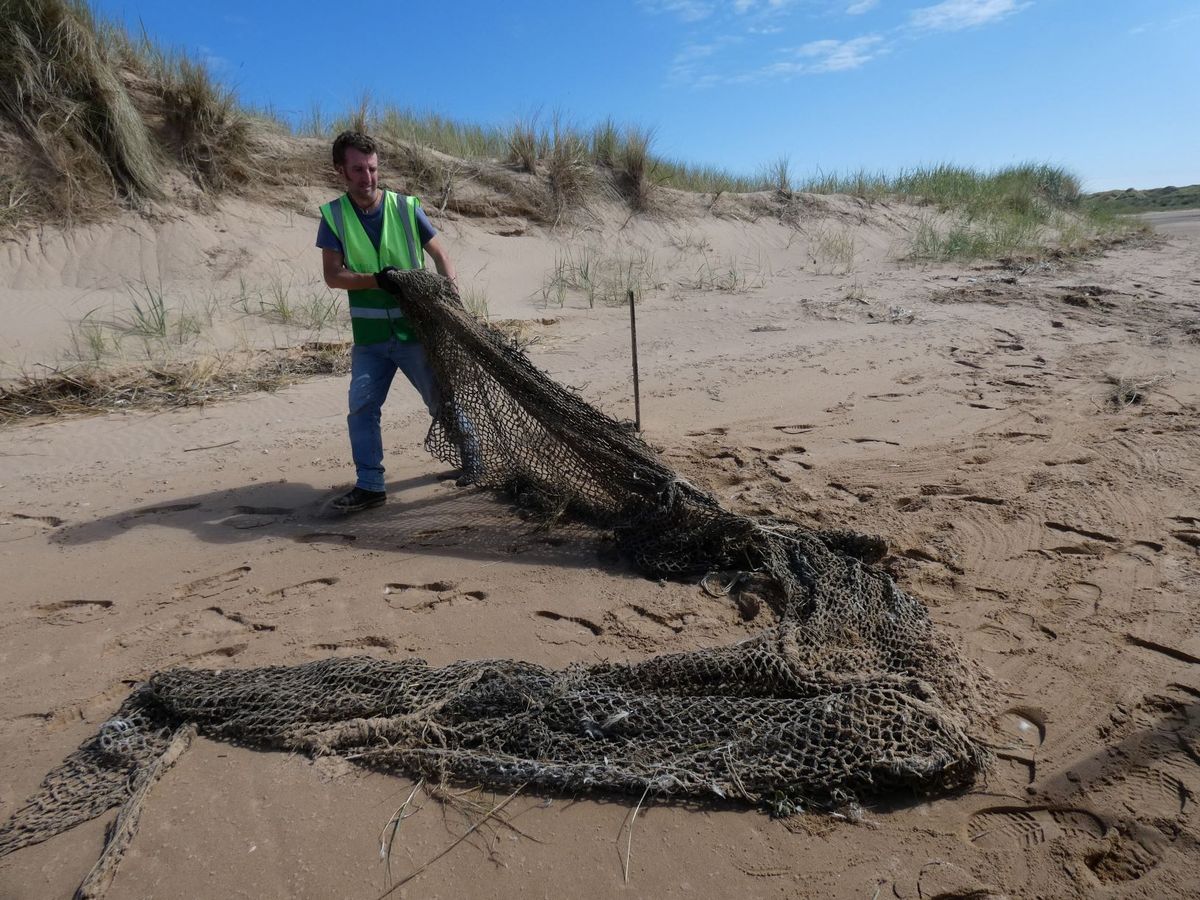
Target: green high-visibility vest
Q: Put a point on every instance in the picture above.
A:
(374, 314)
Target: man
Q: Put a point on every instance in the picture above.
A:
(363, 234)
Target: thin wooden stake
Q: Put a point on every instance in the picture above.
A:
(637, 398)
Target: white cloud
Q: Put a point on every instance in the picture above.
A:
(688, 10)
(954, 15)
(862, 6)
(840, 56)
(691, 67)
(745, 6)
(697, 10)
(817, 57)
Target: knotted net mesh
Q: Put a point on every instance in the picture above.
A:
(849, 693)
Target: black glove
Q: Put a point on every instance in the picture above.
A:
(386, 283)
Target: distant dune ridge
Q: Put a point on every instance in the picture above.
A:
(1148, 200)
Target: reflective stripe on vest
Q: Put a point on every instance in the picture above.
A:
(374, 314)
(362, 312)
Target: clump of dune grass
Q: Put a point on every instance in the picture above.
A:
(777, 174)
(60, 92)
(203, 125)
(1023, 209)
(596, 276)
(635, 167)
(732, 275)
(475, 302)
(569, 170)
(84, 390)
(97, 114)
(1130, 390)
(525, 144)
(988, 236)
(464, 140)
(702, 179)
(834, 250)
(605, 143)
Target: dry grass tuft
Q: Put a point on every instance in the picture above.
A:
(525, 145)
(1131, 391)
(204, 126)
(94, 115)
(85, 391)
(60, 92)
(636, 167)
(570, 172)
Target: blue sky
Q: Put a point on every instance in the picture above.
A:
(1109, 89)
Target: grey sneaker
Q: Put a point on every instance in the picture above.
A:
(356, 500)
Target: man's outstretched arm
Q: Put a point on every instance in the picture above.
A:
(441, 259)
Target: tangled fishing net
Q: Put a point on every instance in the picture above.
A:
(849, 694)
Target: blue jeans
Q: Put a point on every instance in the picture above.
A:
(372, 367)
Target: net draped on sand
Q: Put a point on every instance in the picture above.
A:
(848, 694)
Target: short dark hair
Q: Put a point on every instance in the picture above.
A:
(363, 143)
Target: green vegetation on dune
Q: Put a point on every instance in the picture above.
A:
(94, 121)
(1150, 200)
(99, 117)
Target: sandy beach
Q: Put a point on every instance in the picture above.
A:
(1023, 434)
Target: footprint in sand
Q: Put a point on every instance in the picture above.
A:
(1148, 792)
(359, 643)
(73, 612)
(302, 589)
(326, 537)
(48, 521)
(427, 596)
(1028, 828)
(1010, 631)
(1081, 600)
(448, 536)
(640, 619)
(787, 456)
(1176, 653)
(246, 517)
(1025, 725)
(99, 704)
(221, 616)
(212, 585)
(216, 656)
(1133, 852)
(1021, 730)
(567, 629)
(995, 639)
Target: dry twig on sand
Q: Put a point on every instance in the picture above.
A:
(491, 813)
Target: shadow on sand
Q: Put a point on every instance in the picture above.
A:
(440, 520)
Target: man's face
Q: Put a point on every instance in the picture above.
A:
(360, 171)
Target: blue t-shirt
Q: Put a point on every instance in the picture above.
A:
(372, 224)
